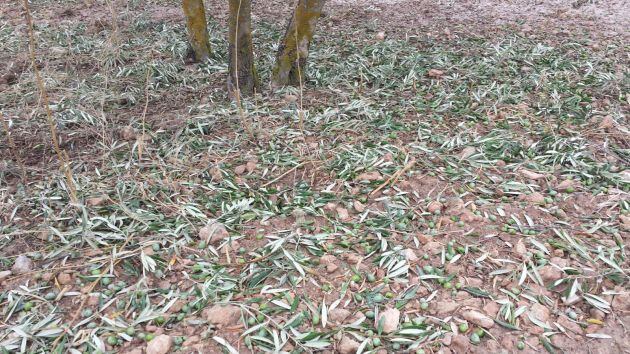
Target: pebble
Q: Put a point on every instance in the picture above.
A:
(369, 176)
(479, 319)
(348, 345)
(540, 312)
(64, 279)
(160, 345)
(410, 255)
(331, 267)
(343, 214)
(222, 315)
(390, 319)
(22, 265)
(550, 274)
(213, 232)
(460, 344)
(338, 315)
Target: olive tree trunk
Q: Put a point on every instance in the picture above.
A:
(242, 75)
(197, 29)
(290, 65)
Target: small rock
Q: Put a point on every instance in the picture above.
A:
(569, 325)
(342, 214)
(566, 184)
(22, 265)
(389, 319)
(410, 255)
(240, 169)
(331, 268)
(338, 315)
(423, 239)
(535, 198)
(444, 307)
(358, 206)
(597, 314)
(213, 232)
(128, 133)
(607, 123)
(448, 339)
(491, 309)
(348, 345)
(160, 345)
(250, 166)
(369, 176)
(540, 312)
(520, 248)
(380, 36)
(5, 274)
(621, 302)
(222, 315)
(432, 247)
(290, 98)
(460, 344)
(327, 259)
(93, 300)
(550, 274)
(478, 318)
(64, 279)
(353, 258)
(191, 340)
(436, 73)
(531, 175)
(467, 152)
(95, 201)
(434, 206)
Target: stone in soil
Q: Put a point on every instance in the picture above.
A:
(64, 279)
(478, 318)
(160, 345)
(410, 255)
(22, 265)
(347, 345)
(540, 312)
(460, 344)
(369, 176)
(550, 274)
(222, 315)
(338, 315)
(213, 232)
(389, 319)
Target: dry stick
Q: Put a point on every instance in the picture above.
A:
(144, 112)
(61, 155)
(13, 147)
(395, 176)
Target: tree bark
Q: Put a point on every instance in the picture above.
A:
(242, 75)
(197, 28)
(290, 65)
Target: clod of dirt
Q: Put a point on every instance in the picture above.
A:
(597, 314)
(338, 315)
(410, 255)
(342, 214)
(432, 247)
(467, 152)
(491, 309)
(222, 315)
(348, 345)
(160, 345)
(353, 258)
(22, 265)
(327, 259)
(621, 302)
(213, 232)
(250, 166)
(535, 198)
(369, 176)
(478, 318)
(358, 206)
(435, 73)
(389, 319)
(434, 206)
(95, 201)
(550, 274)
(64, 279)
(240, 169)
(566, 323)
(539, 312)
(520, 248)
(531, 175)
(331, 268)
(380, 36)
(565, 185)
(127, 133)
(460, 344)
